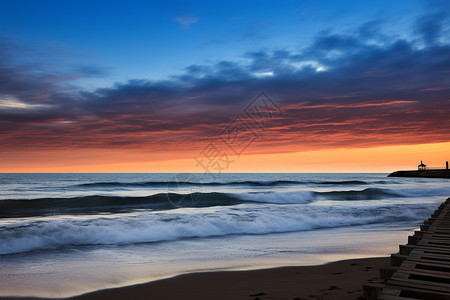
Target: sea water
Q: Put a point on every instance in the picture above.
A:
(66, 234)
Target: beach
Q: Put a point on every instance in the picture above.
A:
(65, 235)
(336, 280)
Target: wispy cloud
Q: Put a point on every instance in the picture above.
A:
(8, 102)
(185, 21)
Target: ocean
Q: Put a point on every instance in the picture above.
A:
(67, 234)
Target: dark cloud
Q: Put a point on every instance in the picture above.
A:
(429, 27)
(345, 89)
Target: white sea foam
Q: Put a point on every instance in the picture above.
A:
(21, 236)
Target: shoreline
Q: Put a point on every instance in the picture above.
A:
(87, 272)
(310, 262)
(335, 280)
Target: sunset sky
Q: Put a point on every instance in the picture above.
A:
(173, 86)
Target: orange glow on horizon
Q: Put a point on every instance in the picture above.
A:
(376, 159)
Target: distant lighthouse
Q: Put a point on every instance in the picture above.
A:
(422, 166)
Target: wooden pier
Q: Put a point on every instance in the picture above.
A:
(421, 268)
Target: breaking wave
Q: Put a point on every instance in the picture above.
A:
(145, 227)
(163, 201)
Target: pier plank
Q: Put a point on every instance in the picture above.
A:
(421, 268)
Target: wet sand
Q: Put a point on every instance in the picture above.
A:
(337, 280)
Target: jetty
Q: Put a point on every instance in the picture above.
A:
(424, 171)
(421, 268)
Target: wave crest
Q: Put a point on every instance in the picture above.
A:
(52, 233)
(166, 201)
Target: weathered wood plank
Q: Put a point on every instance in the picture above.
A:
(421, 268)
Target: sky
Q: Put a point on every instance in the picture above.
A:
(223, 86)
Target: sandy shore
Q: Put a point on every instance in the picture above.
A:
(337, 280)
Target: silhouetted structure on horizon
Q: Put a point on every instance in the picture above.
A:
(422, 166)
(424, 171)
